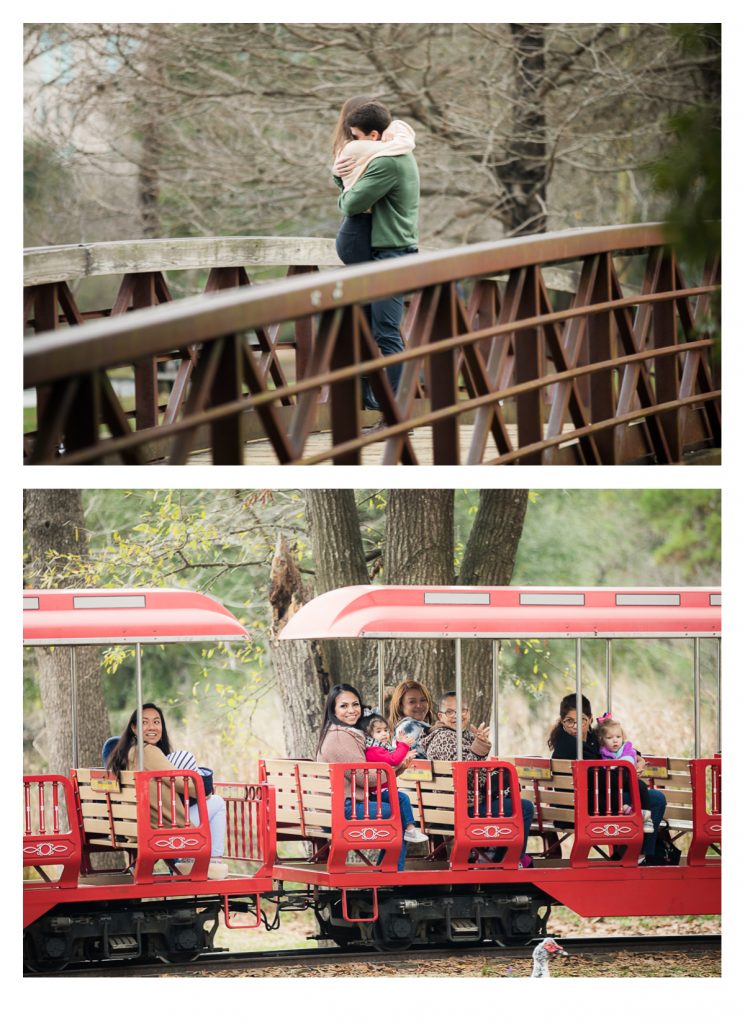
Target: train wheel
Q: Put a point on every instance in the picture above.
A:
(384, 942)
(33, 964)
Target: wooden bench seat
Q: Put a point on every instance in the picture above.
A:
(310, 805)
(143, 814)
(430, 790)
(302, 794)
(549, 783)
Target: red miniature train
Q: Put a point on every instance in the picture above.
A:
(76, 911)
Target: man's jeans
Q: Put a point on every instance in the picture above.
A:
(386, 327)
(527, 811)
(657, 805)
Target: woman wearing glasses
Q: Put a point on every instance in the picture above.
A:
(563, 742)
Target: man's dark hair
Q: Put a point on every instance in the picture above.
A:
(369, 117)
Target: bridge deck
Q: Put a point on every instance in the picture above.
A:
(261, 453)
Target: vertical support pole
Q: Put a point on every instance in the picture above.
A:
(381, 677)
(74, 705)
(528, 345)
(458, 699)
(667, 368)
(607, 677)
(138, 678)
(496, 649)
(697, 696)
(719, 695)
(578, 690)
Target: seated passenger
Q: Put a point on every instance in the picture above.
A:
(378, 747)
(341, 740)
(441, 744)
(156, 751)
(410, 713)
(615, 747)
(562, 741)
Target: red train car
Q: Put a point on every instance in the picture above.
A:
(584, 859)
(76, 911)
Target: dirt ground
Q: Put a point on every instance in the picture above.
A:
(297, 928)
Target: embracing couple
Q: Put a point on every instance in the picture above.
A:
(377, 173)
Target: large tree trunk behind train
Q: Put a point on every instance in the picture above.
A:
(307, 670)
(419, 547)
(55, 525)
(339, 559)
(489, 560)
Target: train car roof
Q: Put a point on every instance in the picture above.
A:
(532, 612)
(149, 616)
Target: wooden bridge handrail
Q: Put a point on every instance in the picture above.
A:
(102, 343)
(49, 264)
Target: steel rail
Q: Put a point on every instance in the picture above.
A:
(600, 946)
(115, 445)
(147, 332)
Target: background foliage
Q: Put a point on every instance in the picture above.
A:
(210, 129)
(222, 542)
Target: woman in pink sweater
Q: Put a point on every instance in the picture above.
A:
(342, 741)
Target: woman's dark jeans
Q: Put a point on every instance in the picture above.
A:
(407, 817)
(353, 239)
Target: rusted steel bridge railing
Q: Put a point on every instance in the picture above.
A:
(611, 367)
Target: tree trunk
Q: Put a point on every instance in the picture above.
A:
(303, 681)
(524, 174)
(489, 560)
(54, 523)
(419, 551)
(340, 562)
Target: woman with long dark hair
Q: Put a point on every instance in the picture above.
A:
(158, 755)
(341, 740)
(563, 742)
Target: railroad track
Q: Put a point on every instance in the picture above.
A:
(210, 963)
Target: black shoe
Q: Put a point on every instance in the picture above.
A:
(381, 425)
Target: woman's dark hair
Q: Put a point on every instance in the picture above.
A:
(118, 759)
(329, 715)
(568, 703)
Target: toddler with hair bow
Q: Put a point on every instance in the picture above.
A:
(615, 747)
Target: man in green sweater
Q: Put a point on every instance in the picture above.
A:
(390, 187)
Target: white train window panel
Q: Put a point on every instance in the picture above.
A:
(444, 598)
(115, 601)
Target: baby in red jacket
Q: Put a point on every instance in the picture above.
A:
(380, 747)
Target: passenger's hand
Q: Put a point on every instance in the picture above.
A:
(408, 759)
(481, 732)
(407, 738)
(641, 764)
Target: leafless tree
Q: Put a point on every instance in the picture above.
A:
(224, 128)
